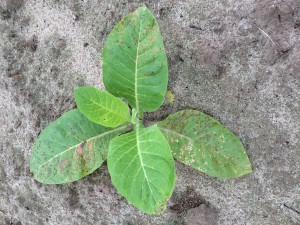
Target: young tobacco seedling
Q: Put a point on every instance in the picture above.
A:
(140, 159)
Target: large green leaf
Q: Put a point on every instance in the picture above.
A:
(70, 148)
(134, 61)
(101, 107)
(201, 142)
(142, 168)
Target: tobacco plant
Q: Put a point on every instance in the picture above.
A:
(109, 126)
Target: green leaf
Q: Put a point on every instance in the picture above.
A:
(200, 141)
(142, 168)
(134, 61)
(101, 107)
(70, 148)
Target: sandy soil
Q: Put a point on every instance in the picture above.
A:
(238, 61)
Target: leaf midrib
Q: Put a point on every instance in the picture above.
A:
(174, 132)
(87, 140)
(141, 160)
(136, 71)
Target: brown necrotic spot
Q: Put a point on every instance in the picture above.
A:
(80, 147)
(79, 150)
(91, 145)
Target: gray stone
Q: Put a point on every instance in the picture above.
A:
(238, 61)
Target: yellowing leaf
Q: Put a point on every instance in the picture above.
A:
(170, 97)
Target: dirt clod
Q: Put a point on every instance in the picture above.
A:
(188, 200)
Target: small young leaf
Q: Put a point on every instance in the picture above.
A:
(141, 167)
(201, 142)
(70, 148)
(101, 107)
(134, 61)
(170, 97)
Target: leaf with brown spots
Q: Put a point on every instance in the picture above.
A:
(134, 61)
(200, 141)
(70, 148)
